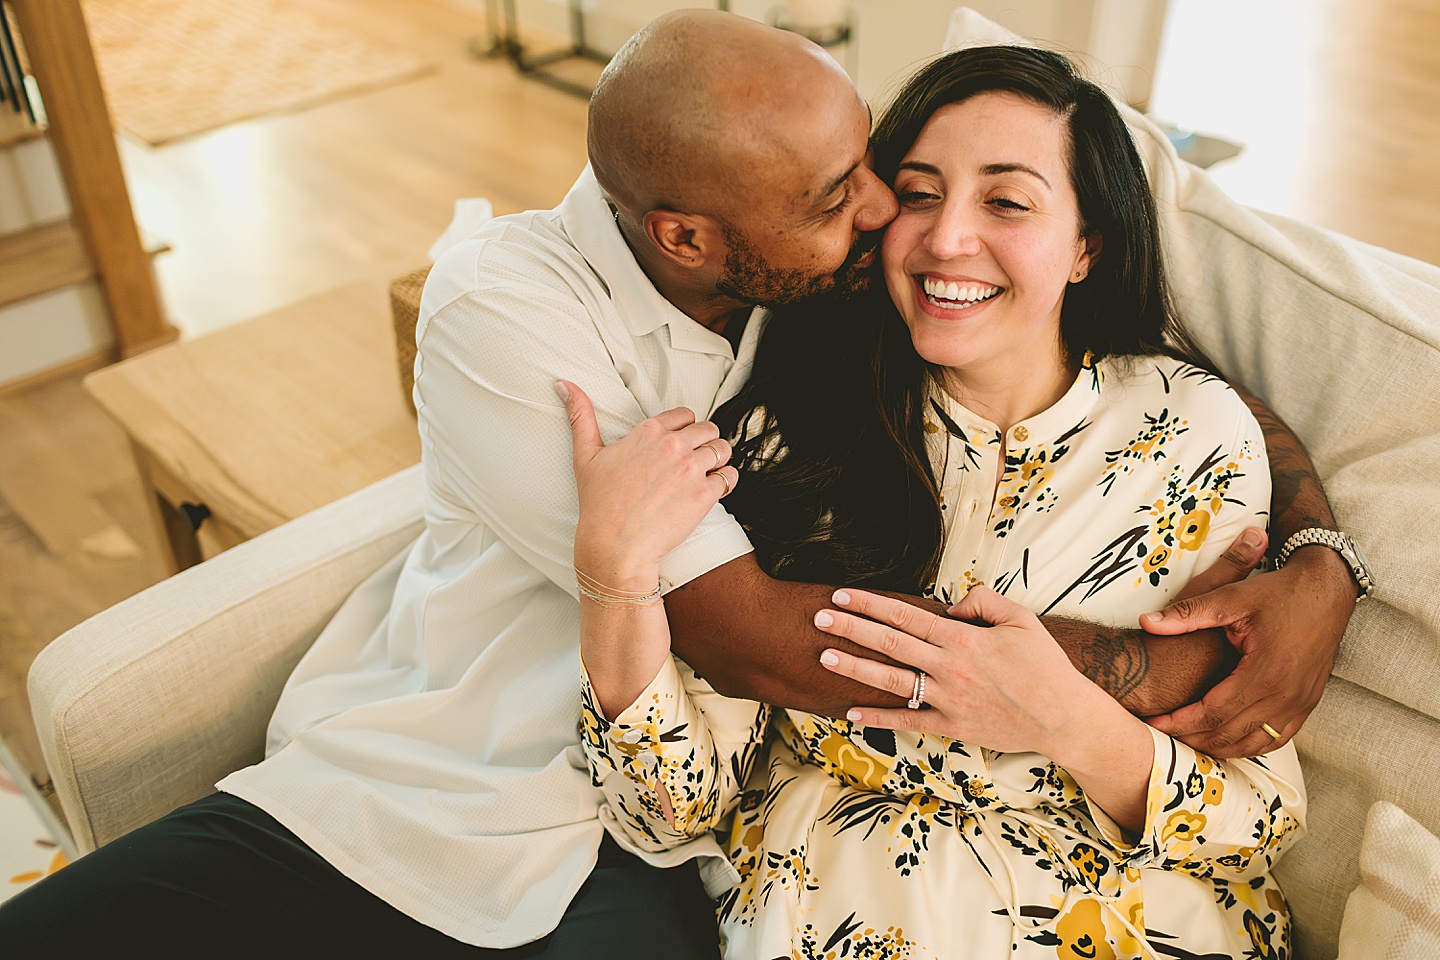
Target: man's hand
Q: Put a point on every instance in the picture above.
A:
(1287, 626)
(1152, 675)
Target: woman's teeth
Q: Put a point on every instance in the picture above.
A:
(961, 293)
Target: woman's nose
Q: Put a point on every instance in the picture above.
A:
(952, 234)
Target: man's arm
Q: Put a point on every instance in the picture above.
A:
(754, 637)
(1286, 624)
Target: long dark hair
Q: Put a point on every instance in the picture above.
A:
(828, 433)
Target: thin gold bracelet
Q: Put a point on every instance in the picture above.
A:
(646, 601)
(613, 596)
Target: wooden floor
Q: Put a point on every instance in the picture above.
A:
(264, 213)
(74, 535)
(267, 212)
(1337, 104)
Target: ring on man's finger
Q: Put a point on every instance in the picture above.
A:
(710, 445)
(1271, 730)
(917, 696)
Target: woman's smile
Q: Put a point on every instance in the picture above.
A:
(953, 298)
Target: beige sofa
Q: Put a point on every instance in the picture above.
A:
(145, 706)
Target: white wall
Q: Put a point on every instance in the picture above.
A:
(1119, 38)
(52, 329)
(31, 190)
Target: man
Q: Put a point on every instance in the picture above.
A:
(424, 788)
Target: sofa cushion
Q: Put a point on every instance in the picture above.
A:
(1395, 912)
(1357, 748)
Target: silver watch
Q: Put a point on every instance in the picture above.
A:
(1341, 543)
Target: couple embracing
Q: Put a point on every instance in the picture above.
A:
(858, 650)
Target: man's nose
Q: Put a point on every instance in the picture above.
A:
(877, 206)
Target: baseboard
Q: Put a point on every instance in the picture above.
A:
(92, 361)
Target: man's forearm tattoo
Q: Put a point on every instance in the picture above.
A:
(1297, 500)
(1117, 662)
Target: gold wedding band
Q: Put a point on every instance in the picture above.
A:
(931, 628)
(719, 461)
(1271, 730)
(723, 479)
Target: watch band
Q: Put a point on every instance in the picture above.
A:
(1329, 538)
(1342, 544)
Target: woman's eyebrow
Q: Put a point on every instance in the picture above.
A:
(993, 169)
(919, 167)
(989, 170)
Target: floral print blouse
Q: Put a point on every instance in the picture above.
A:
(851, 842)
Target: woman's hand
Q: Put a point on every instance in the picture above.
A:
(1007, 686)
(641, 496)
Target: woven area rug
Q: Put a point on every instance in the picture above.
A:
(172, 68)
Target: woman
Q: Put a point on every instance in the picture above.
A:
(1012, 432)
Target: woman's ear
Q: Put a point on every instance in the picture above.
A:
(688, 240)
(1087, 256)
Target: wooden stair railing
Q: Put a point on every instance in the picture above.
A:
(58, 47)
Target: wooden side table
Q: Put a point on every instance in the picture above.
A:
(251, 426)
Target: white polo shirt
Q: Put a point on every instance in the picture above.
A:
(427, 745)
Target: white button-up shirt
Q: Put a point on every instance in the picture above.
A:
(427, 745)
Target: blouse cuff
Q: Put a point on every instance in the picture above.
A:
(1158, 796)
(1183, 784)
(632, 743)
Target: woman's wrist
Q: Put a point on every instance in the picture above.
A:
(1110, 753)
(611, 565)
(1094, 745)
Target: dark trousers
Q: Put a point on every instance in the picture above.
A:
(220, 877)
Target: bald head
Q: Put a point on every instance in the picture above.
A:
(698, 102)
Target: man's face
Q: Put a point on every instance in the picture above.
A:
(811, 224)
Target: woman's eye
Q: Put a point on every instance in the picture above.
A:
(914, 198)
(1008, 205)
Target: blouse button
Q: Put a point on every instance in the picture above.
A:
(1022, 434)
(1008, 502)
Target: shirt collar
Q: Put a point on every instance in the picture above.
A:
(590, 223)
(1046, 426)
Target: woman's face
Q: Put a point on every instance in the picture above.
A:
(988, 234)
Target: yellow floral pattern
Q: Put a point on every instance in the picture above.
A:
(662, 745)
(856, 842)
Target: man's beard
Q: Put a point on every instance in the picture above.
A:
(749, 279)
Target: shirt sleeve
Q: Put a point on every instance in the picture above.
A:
(1226, 819)
(1229, 819)
(679, 738)
(496, 437)
(1228, 477)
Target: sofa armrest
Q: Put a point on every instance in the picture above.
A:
(143, 707)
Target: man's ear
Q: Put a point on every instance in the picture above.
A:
(689, 240)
